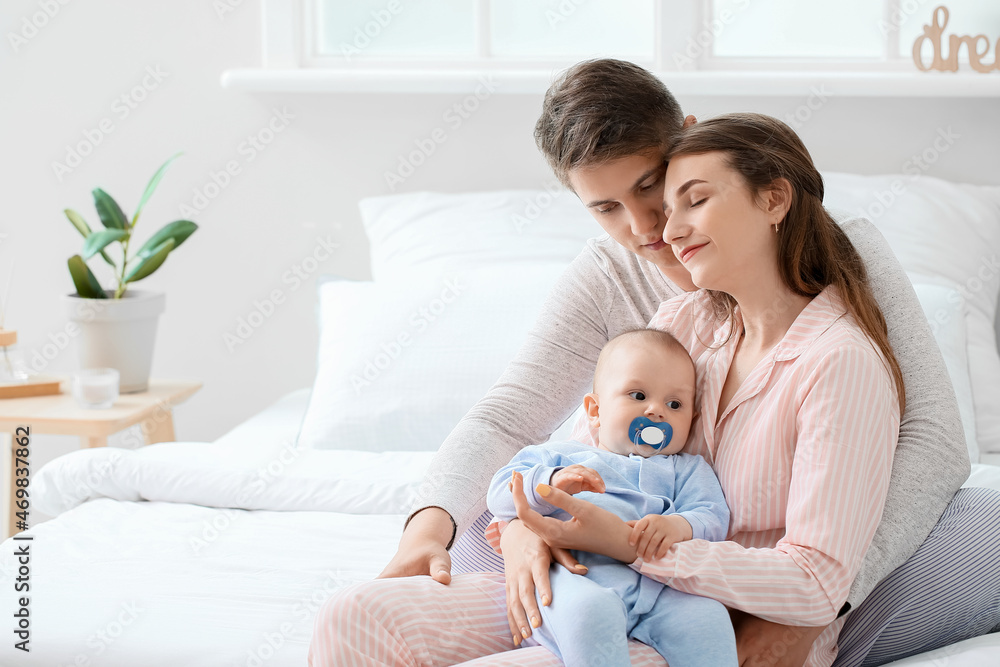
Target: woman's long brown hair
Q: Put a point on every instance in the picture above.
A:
(813, 251)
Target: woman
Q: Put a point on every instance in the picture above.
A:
(800, 391)
(604, 129)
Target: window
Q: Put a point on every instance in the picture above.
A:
(486, 32)
(848, 34)
(705, 46)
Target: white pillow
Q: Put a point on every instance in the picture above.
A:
(948, 234)
(430, 231)
(946, 315)
(402, 361)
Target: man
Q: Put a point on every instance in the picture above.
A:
(604, 129)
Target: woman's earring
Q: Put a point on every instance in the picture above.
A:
(776, 229)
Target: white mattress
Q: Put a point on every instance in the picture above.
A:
(257, 586)
(132, 573)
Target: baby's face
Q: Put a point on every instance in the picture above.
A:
(643, 380)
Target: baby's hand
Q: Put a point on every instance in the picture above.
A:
(576, 478)
(653, 534)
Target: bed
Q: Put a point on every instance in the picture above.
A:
(193, 553)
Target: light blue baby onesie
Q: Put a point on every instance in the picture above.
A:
(591, 617)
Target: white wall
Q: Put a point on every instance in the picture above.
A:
(335, 150)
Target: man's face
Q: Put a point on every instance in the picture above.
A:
(625, 196)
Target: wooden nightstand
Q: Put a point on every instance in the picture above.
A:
(59, 414)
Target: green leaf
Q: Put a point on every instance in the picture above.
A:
(78, 222)
(153, 182)
(82, 227)
(178, 230)
(99, 240)
(109, 210)
(150, 263)
(84, 280)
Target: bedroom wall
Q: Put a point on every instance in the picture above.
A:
(295, 197)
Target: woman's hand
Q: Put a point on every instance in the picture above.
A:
(422, 547)
(526, 560)
(591, 529)
(761, 643)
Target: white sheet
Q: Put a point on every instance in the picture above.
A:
(199, 587)
(202, 585)
(218, 586)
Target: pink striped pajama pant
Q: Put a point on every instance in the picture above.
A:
(946, 592)
(417, 622)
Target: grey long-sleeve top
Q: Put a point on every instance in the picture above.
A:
(608, 290)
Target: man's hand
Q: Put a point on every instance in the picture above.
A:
(526, 569)
(761, 643)
(576, 478)
(422, 547)
(653, 534)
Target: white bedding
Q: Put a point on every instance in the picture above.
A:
(206, 585)
(219, 586)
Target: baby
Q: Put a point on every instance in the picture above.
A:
(642, 407)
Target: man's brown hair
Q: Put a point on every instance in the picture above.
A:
(601, 110)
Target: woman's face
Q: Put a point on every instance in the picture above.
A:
(718, 230)
(625, 196)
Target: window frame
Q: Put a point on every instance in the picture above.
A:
(289, 39)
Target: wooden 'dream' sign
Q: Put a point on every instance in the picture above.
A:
(934, 31)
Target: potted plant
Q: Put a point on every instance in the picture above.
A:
(118, 326)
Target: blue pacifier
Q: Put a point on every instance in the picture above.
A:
(644, 431)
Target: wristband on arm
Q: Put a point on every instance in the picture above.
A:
(454, 526)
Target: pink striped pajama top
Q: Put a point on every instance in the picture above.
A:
(803, 451)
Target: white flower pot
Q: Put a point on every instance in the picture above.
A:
(118, 333)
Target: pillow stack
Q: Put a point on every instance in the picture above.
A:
(947, 237)
(458, 281)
